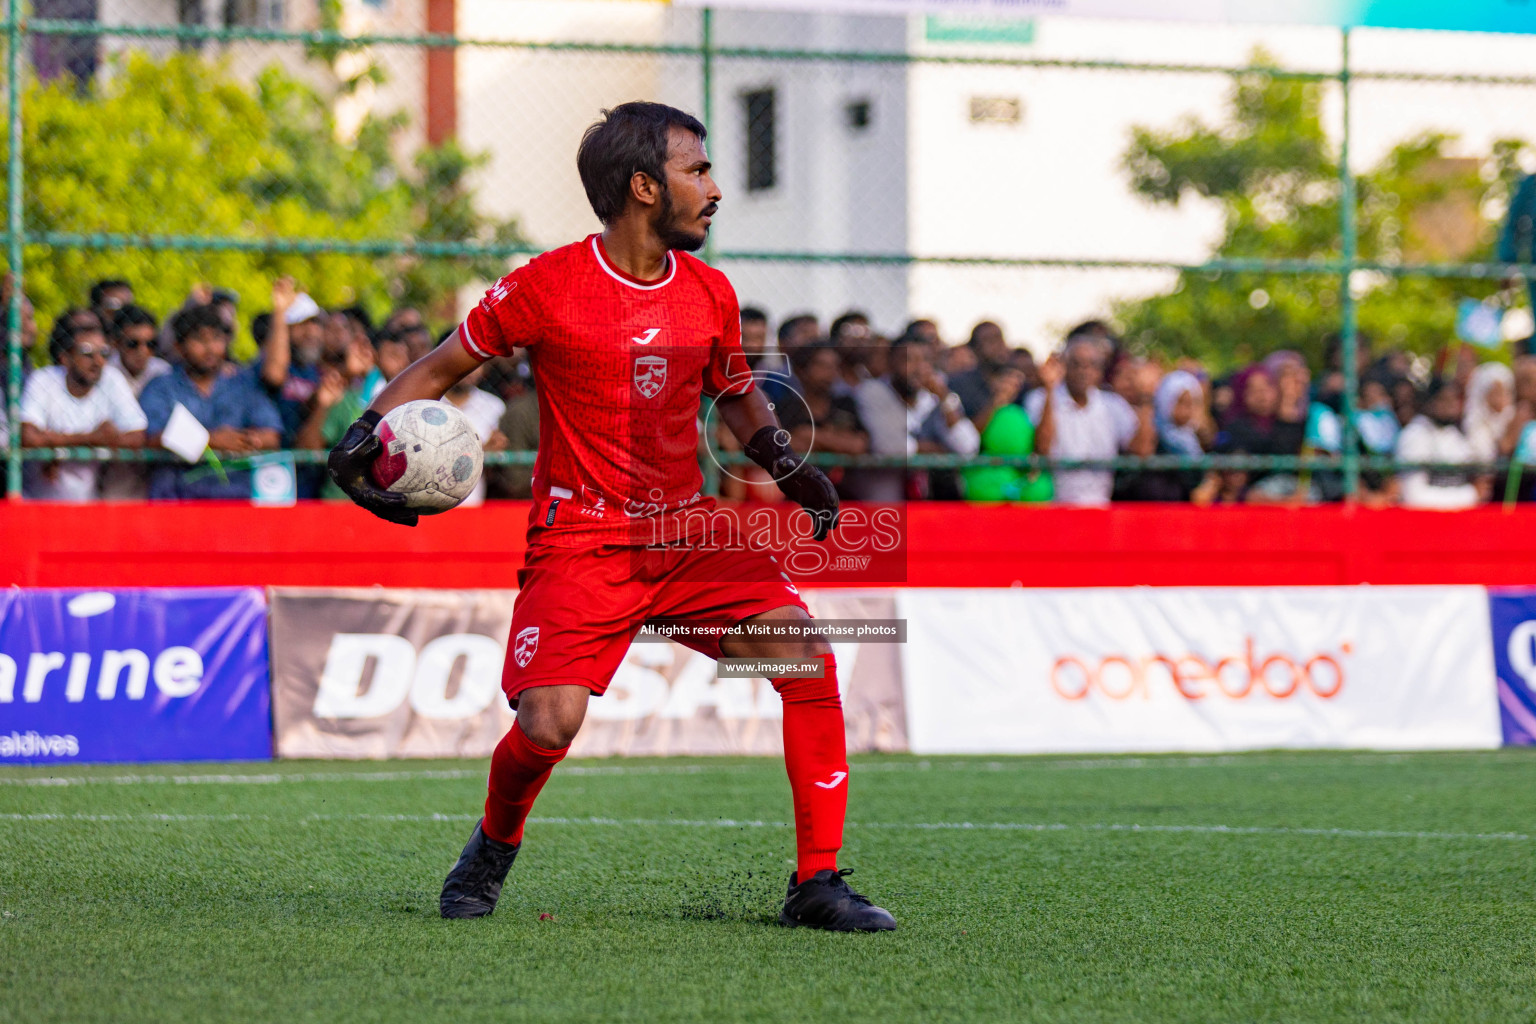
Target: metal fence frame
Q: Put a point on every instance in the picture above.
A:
(18, 29)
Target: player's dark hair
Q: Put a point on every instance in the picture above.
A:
(129, 316)
(71, 323)
(631, 137)
(100, 288)
(751, 314)
(189, 321)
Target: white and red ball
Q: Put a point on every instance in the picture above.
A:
(432, 455)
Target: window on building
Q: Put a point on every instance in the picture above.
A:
(762, 130)
(254, 13)
(59, 56)
(858, 115)
(996, 110)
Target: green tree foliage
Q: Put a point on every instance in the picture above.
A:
(1275, 173)
(179, 146)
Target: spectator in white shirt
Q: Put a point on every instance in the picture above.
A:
(1435, 435)
(79, 402)
(910, 410)
(1075, 419)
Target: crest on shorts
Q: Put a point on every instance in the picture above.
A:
(527, 644)
(650, 375)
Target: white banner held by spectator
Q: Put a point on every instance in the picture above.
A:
(184, 435)
(1052, 671)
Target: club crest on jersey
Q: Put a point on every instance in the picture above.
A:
(650, 375)
(592, 503)
(527, 644)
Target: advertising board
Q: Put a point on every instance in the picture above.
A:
(173, 674)
(1198, 669)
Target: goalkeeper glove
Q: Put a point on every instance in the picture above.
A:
(349, 464)
(800, 481)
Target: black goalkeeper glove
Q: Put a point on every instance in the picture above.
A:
(800, 481)
(349, 463)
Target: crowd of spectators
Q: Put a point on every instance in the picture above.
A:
(119, 377)
(850, 391)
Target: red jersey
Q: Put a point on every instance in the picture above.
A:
(619, 365)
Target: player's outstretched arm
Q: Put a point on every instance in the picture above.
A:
(767, 444)
(349, 462)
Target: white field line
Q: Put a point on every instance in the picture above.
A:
(273, 778)
(450, 774)
(958, 826)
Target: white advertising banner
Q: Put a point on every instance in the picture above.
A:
(1207, 669)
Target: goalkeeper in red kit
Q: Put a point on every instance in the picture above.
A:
(624, 332)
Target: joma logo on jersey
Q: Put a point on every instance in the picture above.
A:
(498, 293)
(650, 375)
(646, 338)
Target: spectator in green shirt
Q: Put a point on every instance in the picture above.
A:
(1007, 431)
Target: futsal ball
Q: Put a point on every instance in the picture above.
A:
(432, 455)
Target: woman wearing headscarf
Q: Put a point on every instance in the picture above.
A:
(1490, 409)
(1287, 435)
(1184, 427)
(1264, 423)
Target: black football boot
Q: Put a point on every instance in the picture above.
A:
(826, 901)
(474, 884)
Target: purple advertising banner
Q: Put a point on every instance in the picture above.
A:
(1513, 616)
(160, 674)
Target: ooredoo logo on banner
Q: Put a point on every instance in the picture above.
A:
(1036, 671)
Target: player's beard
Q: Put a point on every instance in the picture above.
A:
(673, 236)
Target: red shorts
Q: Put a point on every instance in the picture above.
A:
(578, 609)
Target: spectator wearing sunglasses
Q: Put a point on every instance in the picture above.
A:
(79, 402)
(133, 330)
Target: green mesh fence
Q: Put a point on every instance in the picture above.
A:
(249, 140)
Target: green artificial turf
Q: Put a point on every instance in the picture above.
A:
(1346, 887)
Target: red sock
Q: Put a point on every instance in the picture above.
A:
(519, 769)
(816, 757)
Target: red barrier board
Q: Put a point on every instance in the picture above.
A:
(948, 545)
